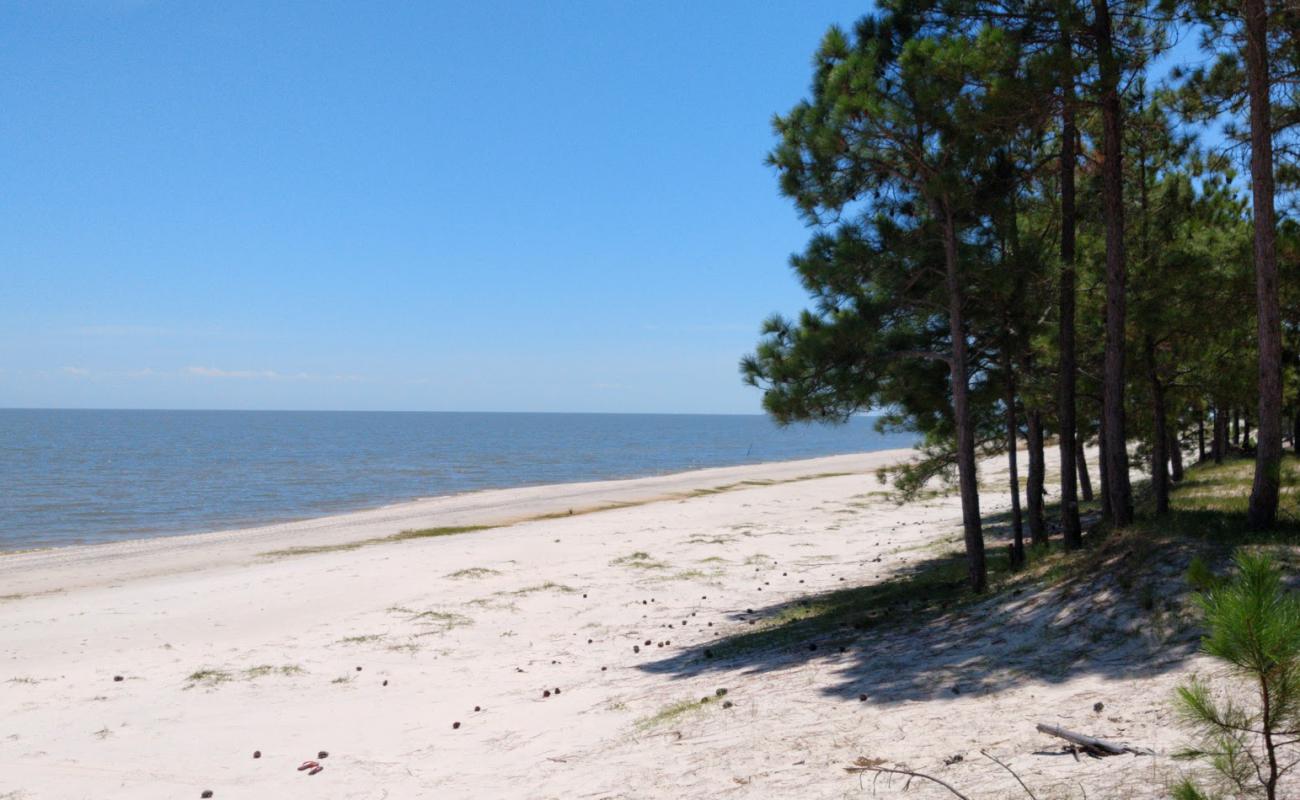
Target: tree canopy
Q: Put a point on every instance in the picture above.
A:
(1019, 233)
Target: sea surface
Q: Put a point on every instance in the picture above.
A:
(76, 477)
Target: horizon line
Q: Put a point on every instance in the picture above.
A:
(405, 411)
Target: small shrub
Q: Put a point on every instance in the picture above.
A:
(1254, 630)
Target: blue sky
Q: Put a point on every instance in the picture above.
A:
(434, 206)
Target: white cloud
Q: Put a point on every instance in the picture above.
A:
(263, 374)
(243, 374)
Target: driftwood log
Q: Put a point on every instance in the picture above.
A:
(1088, 744)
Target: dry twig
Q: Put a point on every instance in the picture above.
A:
(864, 765)
(985, 753)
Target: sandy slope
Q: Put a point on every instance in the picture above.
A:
(223, 651)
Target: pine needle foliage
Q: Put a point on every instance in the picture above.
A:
(1249, 738)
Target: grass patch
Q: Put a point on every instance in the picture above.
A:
(687, 575)
(369, 638)
(264, 670)
(690, 575)
(472, 572)
(423, 533)
(548, 586)
(1208, 514)
(445, 620)
(493, 603)
(572, 512)
(670, 713)
(728, 487)
(209, 677)
(313, 549)
(1225, 489)
(638, 560)
(215, 677)
(718, 539)
(429, 533)
(439, 621)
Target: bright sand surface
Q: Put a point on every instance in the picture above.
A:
(224, 650)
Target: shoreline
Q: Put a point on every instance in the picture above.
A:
(112, 476)
(50, 569)
(344, 508)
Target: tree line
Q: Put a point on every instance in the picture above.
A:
(1029, 223)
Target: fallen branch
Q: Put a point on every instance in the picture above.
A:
(910, 774)
(1089, 744)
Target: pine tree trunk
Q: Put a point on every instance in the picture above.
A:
(1268, 451)
(1116, 450)
(1013, 467)
(1245, 432)
(1236, 428)
(1295, 433)
(1070, 528)
(1085, 483)
(1037, 476)
(1220, 444)
(1175, 456)
(1160, 434)
(1200, 436)
(1102, 474)
(967, 479)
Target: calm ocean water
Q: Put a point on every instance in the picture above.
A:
(72, 477)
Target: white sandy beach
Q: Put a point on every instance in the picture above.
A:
(224, 651)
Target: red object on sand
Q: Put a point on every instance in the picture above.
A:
(307, 765)
(316, 769)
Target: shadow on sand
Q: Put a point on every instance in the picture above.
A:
(1120, 608)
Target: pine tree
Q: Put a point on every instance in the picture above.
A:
(1254, 630)
(890, 135)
